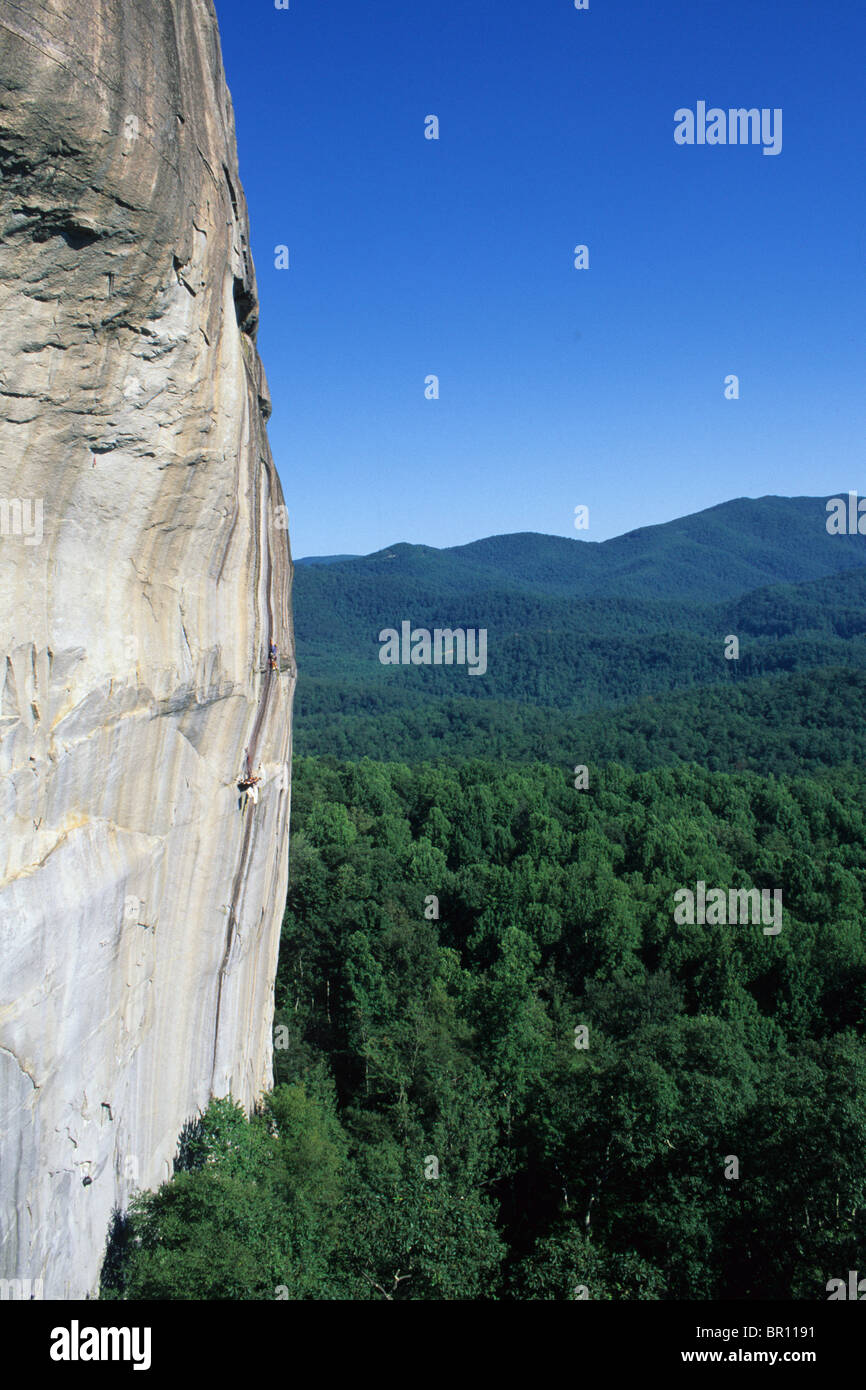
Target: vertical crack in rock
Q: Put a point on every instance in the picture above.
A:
(143, 574)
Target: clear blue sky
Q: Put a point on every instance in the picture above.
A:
(558, 387)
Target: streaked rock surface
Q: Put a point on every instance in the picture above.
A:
(139, 907)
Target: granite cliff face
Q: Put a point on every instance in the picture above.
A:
(144, 569)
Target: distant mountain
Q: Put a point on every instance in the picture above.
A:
(718, 553)
(325, 559)
(576, 626)
(725, 550)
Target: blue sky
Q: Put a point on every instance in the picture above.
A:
(558, 387)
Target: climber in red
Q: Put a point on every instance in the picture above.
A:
(272, 657)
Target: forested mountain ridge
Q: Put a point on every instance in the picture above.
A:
(560, 640)
(723, 551)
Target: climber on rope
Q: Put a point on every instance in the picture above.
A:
(249, 784)
(272, 657)
(252, 791)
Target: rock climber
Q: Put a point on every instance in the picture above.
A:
(272, 657)
(249, 785)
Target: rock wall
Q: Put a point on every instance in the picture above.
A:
(144, 568)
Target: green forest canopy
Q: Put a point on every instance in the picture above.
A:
(405, 1038)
